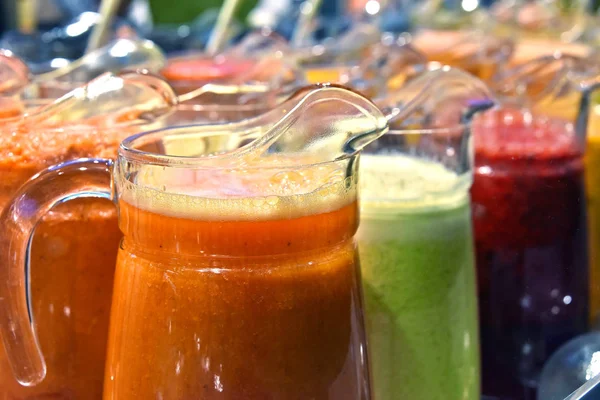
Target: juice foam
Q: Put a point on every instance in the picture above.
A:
(402, 184)
(270, 188)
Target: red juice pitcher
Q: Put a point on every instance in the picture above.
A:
(529, 215)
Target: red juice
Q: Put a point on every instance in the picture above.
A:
(531, 247)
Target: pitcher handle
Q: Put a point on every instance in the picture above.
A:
(55, 185)
(588, 88)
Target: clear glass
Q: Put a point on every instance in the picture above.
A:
(186, 114)
(221, 102)
(416, 248)
(259, 58)
(72, 253)
(121, 54)
(575, 363)
(237, 274)
(383, 67)
(530, 49)
(474, 51)
(552, 84)
(559, 20)
(330, 60)
(14, 76)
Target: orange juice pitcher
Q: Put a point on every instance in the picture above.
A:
(237, 277)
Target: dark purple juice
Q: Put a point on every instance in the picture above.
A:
(530, 235)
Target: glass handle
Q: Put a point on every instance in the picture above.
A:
(55, 185)
(588, 88)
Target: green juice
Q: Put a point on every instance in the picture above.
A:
(416, 253)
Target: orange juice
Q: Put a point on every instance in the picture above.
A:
(72, 263)
(221, 294)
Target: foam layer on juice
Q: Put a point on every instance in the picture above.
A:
(272, 188)
(522, 135)
(399, 183)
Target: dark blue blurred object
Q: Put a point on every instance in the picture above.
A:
(194, 36)
(52, 47)
(73, 8)
(326, 26)
(395, 19)
(65, 42)
(331, 20)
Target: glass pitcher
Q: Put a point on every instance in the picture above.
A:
(73, 250)
(329, 60)
(557, 20)
(237, 276)
(14, 76)
(529, 215)
(259, 58)
(121, 54)
(416, 246)
(477, 52)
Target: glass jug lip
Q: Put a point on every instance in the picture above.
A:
(37, 103)
(265, 106)
(55, 89)
(129, 152)
(431, 130)
(456, 38)
(270, 98)
(530, 49)
(25, 105)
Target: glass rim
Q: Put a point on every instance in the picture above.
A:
(128, 151)
(11, 123)
(430, 131)
(203, 108)
(185, 106)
